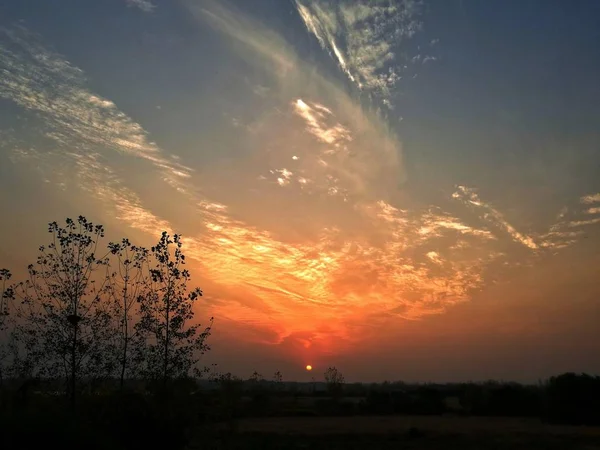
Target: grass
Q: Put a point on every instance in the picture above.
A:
(400, 432)
(393, 424)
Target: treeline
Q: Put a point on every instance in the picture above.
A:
(569, 398)
(566, 399)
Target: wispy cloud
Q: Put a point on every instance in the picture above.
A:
(84, 136)
(76, 119)
(144, 5)
(470, 197)
(363, 38)
(330, 239)
(563, 233)
(321, 158)
(571, 223)
(589, 199)
(314, 116)
(263, 44)
(89, 172)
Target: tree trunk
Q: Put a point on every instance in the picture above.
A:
(74, 365)
(166, 353)
(125, 339)
(124, 356)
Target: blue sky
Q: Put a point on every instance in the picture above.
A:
(352, 178)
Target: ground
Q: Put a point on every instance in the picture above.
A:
(402, 432)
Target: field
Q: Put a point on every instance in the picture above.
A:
(402, 432)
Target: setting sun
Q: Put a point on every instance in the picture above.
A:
(309, 367)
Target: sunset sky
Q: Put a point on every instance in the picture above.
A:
(402, 189)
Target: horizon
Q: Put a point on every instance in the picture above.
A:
(398, 189)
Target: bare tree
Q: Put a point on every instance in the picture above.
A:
(128, 286)
(255, 377)
(255, 381)
(64, 324)
(6, 295)
(173, 346)
(230, 390)
(335, 381)
(278, 379)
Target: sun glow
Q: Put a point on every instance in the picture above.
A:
(309, 367)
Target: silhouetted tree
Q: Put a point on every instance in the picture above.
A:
(173, 346)
(6, 295)
(65, 324)
(335, 381)
(426, 400)
(573, 399)
(255, 381)
(128, 286)
(277, 381)
(255, 377)
(230, 394)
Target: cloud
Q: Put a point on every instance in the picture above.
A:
(309, 232)
(82, 137)
(41, 81)
(564, 232)
(332, 280)
(579, 223)
(363, 38)
(145, 5)
(369, 153)
(470, 197)
(589, 199)
(315, 117)
(355, 254)
(264, 45)
(558, 236)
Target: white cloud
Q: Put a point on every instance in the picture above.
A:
(316, 117)
(76, 119)
(364, 38)
(329, 152)
(589, 199)
(144, 5)
(470, 197)
(409, 261)
(580, 223)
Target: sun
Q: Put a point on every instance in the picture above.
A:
(309, 367)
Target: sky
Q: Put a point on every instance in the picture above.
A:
(406, 190)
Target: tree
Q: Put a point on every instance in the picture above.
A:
(173, 347)
(573, 399)
(64, 324)
(335, 381)
(6, 295)
(278, 379)
(128, 285)
(255, 381)
(230, 390)
(255, 377)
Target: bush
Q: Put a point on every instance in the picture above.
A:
(573, 399)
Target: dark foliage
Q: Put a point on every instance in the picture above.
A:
(573, 399)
